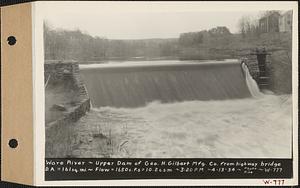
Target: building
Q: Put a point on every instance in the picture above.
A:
(270, 22)
(286, 21)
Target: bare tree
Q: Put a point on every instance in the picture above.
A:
(242, 25)
(248, 26)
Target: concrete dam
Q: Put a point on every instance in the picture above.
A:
(137, 84)
(169, 109)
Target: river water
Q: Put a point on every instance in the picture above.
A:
(235, 126)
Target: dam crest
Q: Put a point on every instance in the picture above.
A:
(136, 85)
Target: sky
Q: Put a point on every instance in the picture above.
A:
(140, 20)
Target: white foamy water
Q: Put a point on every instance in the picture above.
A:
(251, 83)
(241, 128)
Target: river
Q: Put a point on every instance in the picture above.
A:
(245, 126)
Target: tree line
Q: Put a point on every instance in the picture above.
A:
(75, 45)
(215, 43)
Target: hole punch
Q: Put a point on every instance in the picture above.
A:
(13, 143)
(11, 40)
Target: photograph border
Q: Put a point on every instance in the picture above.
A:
(39, 98)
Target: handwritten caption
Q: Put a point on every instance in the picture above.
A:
(68, 169)
(162, 166)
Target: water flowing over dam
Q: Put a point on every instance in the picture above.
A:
(136, 85)
(251, 83)
(178, 109)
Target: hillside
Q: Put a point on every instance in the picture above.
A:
(217, 43)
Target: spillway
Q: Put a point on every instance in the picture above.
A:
(137, 85)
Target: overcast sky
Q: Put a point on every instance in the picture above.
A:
(141, 20)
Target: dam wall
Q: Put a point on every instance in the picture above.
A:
(66, 102)
(131, 86)
(58, 72)
(135, 86)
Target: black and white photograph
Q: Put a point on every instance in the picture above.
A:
(150, 93)
(167, 84)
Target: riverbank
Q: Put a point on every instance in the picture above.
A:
(66, 101)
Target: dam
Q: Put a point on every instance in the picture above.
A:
(171, 109)
(137, 84)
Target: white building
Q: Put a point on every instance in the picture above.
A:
(286, 21)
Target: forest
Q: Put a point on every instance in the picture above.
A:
(215, 44)
(76, 45)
